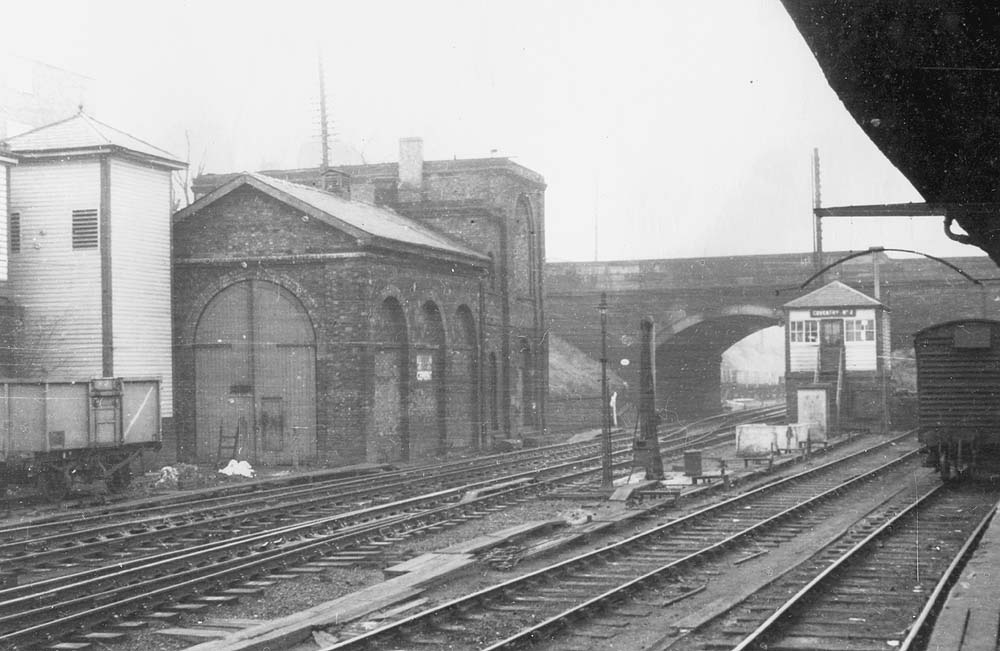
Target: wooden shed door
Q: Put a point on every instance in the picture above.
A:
(255, 386)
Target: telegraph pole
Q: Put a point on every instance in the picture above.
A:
(324, 128)
(817, 220)
(607, 477)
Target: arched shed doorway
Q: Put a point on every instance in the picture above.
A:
(464, 395)
(390, 438)
(255, 386)
(428, 397)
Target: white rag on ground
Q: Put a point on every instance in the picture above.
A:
(241, 468)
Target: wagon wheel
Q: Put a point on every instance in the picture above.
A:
(53, 484)
(118, 480)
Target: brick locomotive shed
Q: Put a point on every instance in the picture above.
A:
(314, 326)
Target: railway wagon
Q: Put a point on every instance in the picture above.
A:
(53, 434)
(958, 387)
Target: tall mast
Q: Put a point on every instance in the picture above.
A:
(323, 124)
(817, 202)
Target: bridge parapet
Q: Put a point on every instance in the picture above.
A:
(779, 272)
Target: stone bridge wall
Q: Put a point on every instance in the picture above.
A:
(701, 306)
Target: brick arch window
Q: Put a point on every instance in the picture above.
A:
(526, 249)
(493, 270)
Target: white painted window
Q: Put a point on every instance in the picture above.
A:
(859, 329)
(804, 331)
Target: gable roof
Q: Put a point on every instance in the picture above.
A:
(834, 294)
(83, 135)
(369, 224)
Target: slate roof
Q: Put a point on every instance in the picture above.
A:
(835, 294)
(360, 220)
(83, 134)
(205, 183)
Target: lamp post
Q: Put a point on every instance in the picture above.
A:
(607, 479)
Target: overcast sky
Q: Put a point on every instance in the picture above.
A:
(681, 129)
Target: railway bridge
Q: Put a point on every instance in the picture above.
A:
(702, 306)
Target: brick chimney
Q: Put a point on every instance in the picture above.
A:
(411, 169)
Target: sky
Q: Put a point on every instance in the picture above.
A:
(663, 128)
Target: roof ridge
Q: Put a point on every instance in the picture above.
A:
(44, 126)
(94, 120)
(90, 122)
(836, 285)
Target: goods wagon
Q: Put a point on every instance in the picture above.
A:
(53, 434)
(958, 387)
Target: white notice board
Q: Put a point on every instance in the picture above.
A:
(812, 408)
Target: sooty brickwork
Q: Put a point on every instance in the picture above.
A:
(418, 352)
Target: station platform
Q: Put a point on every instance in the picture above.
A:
(970, 618)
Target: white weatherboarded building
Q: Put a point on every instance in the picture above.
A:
(88, 235)
(6, 163)
(837, 344)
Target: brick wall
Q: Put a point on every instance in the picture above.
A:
(496, 207)
(341, 297)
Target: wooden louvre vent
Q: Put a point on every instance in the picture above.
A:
(14, 232)
(85, 229)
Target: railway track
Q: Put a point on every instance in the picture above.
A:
(190, 568)
(538, 605)
(56, 545)
(876, 589)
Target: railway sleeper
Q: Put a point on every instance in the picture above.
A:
(101, 637)
(125, 625)
(562, 598)
(510, 608)
(216, 600)
(450, 626)
(848, 631)
(852, 612)
(424, 637)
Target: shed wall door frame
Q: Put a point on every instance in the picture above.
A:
(255, 365)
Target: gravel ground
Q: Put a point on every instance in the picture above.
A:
(289, 596)
(293, 595)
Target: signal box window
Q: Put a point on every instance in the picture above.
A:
(804, 331)
(859, 330)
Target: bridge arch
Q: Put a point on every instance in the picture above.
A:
(689, 354)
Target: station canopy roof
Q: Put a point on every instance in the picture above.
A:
(922, 80)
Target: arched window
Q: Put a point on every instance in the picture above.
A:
(525, 250)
